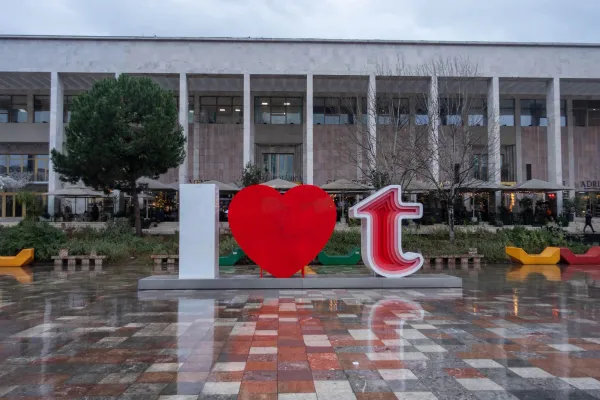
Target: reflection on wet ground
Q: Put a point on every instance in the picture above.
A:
(530, 332)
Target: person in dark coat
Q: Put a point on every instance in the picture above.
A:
(588, 221)
(95, 213)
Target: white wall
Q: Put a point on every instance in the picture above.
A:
(92, 55)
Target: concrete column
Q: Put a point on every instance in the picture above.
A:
(433, 112)
(359, 138)
(571, 144)
(183, 121)
(117, 74)
(196, 159)
(554, 136)
(30, 108)
(518, 144)
(493, 110)
(248, 147)
(493, 130)
(56, 132)
(371, 120)
(308, 138)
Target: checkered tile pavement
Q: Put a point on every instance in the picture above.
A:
(96, 338)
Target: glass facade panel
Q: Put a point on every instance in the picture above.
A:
(279, 165)
(507, 112)
(5, 103)
(477, 112)
(41, 109)
(15, 163)
(586, 112)
(450, 111)
(191, 110)
(278, 110)
(67, 106)
(37, 165)
(533, 113)
(221, 110)
(13, 109)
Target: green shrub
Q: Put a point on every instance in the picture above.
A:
(44, 238)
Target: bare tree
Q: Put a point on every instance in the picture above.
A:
(431, 126)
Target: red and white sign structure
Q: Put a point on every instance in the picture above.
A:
(381, 243)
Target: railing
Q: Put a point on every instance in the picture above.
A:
(286, 177)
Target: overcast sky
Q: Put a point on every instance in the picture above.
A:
(470, 20)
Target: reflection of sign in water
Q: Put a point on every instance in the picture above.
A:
(382, 214)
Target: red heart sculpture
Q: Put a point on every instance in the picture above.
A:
(282, 233)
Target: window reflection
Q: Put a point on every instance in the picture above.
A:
(13, 109)
(67, 106)
(278, 110)
(36, 164)
(450, 111)
(41, 109)
(221, 110)
(507, 112)
(334, 110)
(586, 112)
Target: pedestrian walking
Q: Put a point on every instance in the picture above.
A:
(588, 221)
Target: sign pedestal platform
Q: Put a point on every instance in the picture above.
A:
(415, 281)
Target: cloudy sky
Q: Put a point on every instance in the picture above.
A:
(472, 20)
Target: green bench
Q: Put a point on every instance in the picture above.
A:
(352, 258)
(230, 259)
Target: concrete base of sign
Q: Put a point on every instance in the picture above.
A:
(415, 281)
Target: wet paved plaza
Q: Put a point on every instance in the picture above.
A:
(524, 333)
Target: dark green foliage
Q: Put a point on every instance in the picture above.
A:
(120, 131)
(252, 175)
(44, 238)
(117, 241)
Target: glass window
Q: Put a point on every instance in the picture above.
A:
(15, 163)
(319, 110)
(279, 165)
(67, 106)
(41, 109)
(347, 110)
(392, 111)
(278, 110)
(421, 115)
(190, 109)
(5, 102)
(450, 111)
(477, 112)
(278, 115)
(533, 113)
(480, 166)
(221, 110)
(13, 109)
(507, 112)
(41, 168)
(3, 164)
(585, 112)
(332, 111)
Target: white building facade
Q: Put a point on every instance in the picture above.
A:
(266, 101)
